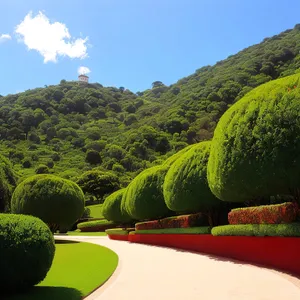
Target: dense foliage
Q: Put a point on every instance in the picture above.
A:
(80, 127)
(26, 250)
(111, 208)
(58, 202)
(97, 184)
(265, 214)
(143, 198)
(185, 186)
(292, 229)
(255, 151)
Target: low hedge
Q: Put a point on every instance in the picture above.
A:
(98, 225)
(292, 229)
(183, 221)
(266, 214)
(26, 249)
(117, 231)
(192, 230)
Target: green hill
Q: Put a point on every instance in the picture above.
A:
(70, 127)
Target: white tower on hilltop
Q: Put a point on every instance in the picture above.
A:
(83, 78)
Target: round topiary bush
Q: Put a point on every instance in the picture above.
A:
(185, 187)
(256, 145)
(26, 249)
(143, 198)
(111, 208)
(58, 202)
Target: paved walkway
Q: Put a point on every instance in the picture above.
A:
(153, 273)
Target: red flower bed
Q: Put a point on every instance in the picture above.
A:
(184, 221)
(118, 237)
(268, 214)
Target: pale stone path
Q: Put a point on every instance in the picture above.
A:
(154, 273)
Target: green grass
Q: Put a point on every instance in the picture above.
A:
(292, 229)
(96, 211)
(118, 231)
(190, 230)
(79, 233)
(77, 269)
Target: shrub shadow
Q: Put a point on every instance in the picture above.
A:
(66, 242)
(47, 293)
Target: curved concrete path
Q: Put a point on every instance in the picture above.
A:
(154, 273)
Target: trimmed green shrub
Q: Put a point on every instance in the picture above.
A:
(117, 231)
(265, 214)
(143, 198)
(184, 221)
(185, 186)
(58, 202)
(192, 230)
(169, 161)
(111, 208)
(292, 229)
(98, 225)
(256, 145)
(26, 249)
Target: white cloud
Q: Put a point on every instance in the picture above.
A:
(83, 70)
(4, 37)
(50, 39)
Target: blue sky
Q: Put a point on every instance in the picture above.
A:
(128, 43)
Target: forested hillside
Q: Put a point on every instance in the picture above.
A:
(71, 128)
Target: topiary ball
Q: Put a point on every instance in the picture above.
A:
(111, 208)
(143, 198)
(58, 202)
(255, 150)
(185, 187)
(26, 249)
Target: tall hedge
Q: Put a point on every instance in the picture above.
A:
(58, 202)
(143, 198)
(256, 145)
(26, 249)
(111, 208)
(185, 187)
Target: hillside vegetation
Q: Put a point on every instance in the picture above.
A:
(71, 128)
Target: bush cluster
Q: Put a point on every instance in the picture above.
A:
(266, 214)
(191, 230)
(26, 249)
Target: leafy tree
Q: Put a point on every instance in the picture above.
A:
(93, 157)
(98, 183)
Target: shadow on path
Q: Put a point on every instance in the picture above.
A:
(47, 293)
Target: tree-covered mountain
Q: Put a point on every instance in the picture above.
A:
(71, 127)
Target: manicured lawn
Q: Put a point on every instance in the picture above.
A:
(96, 210)
(79, 233)
(78, 268)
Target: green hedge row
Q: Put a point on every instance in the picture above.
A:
(98, 225)
(118, 231)
(290, 230)
(192, 230)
